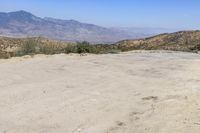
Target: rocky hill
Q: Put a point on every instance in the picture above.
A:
(10, 44)
(180, 41)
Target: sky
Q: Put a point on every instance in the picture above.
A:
(115, 13)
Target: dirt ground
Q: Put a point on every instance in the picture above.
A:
(133, 92)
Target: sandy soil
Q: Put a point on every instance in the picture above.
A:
(134, 92)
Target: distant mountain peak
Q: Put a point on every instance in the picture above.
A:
(21, 13)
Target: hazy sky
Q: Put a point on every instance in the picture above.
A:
(112, 13)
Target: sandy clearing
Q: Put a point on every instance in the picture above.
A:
(134, 92)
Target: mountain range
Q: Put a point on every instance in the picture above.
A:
(24, 24)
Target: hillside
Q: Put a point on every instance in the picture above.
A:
(23, 24)
(10, 47)
(9, 44)
(178, 41)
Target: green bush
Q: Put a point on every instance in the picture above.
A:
(70, 49)
(50, 49)
(85, 47)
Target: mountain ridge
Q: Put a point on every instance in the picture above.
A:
(22, 24)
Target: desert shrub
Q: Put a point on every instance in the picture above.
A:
(195, 48)
(198, 47)
(50, 49)
(36, 46)
(113, 51)
(28, 47)
(70, 49)
(85, 47)
(4, 55)
(106, 49)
